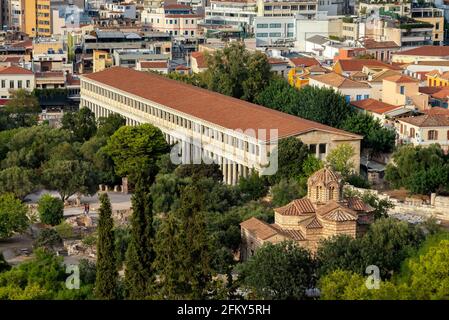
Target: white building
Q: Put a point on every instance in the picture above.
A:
(126, 10)
(287, 8)
(271, 31)
(231, 12)
(350, 89)
(13, 78)
(235, 134)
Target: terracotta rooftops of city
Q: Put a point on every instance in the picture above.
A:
(200, 59)
(14, 70)
(372, 44)
(428, 120)
(336, 80)
(212, 107)
(260, 228)
(358, 64)
(399, 78)
(304, 61)
(374, 105)
(153, 64)
(430, 51)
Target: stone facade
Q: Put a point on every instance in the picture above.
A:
(323, 213)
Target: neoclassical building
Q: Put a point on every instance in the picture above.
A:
(235, 134)
(323, 213)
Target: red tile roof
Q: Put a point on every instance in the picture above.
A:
(225, 111)
(259, 228)
(153, 64)
(430, 51)
(349, 65)
(436, 92)
(428, 120)
(372, 44)
(176, 6)
(401, 79)
(296, 207)
(306, 62)
(277, 61)
(436, 111)
(338, 81)
(14, 70)
(374, 105)
(200, 59)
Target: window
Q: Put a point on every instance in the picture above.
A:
(290, 25)
(412, 132)
(262, 25)
(312, 148)
(432, 135)
(366, 96)
(322, 148)
(11, 84)
(19, 84)
(358, 97)
(437, 27)
(447, 135)
(290, 34)
(402, 89)
(348, 98)
(261, 35)
(275, 34)
(275, 25)
(3, 83)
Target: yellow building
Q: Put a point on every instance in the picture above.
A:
(401, 90)
(437, 79)
(101, 60)
(37, 18)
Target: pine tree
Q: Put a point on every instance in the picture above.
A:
(106, 276)
(140, 255)
(183, 249)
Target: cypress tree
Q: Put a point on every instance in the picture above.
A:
(183, 249)
(106, 275)
(140, 255)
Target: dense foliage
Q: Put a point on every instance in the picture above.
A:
(51, 210)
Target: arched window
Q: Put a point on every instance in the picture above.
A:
(317, 193)
(331, 193)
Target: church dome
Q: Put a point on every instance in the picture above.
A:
(325, 177)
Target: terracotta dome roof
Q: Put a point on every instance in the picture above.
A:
(324, 176)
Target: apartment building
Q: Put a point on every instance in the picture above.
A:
(14, 78)
(287, 8)
(175, 19)
(271, 31)
(237, 13)
(236, 134)
(37, 18)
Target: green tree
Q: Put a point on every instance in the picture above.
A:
(183, 252)
(106, 275)
(286, 191)
(278, 271)
(339, 252)
(341, 285)
(69, 177)
(201, 170)
(291, 155)
(340, 159)
(13, 215)
(136, 149)
(375, 136)
(22, 108)
(51, 210)
(322, 105)
(48, 239)
(252, 187)
(81, 124)
(107, 126)
(236, 72)
(388, 243)
(139, 274)
(4, 266)
(19, 181)
(419, 169)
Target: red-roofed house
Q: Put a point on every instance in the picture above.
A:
(279, 66)
(382, 111)
(198, 62)
(157, 66)
(424, 53)
(13, 78)
(347, 67)
(403, 90)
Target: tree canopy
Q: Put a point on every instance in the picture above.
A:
(13, 215)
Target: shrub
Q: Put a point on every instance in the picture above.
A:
(51, 210)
